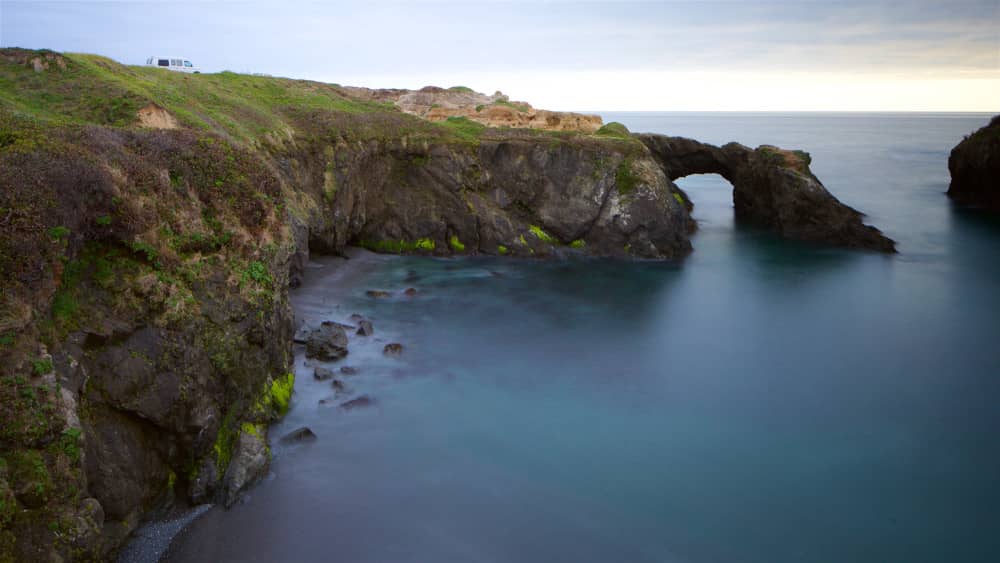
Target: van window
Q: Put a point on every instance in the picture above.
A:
(175, 62)
(149, 61)
(163, 62)
(188, 64)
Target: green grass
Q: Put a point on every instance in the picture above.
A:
(614, 129)
(515, 107)
(95, 89)
(464, 128)
(464, 89)
(58, 233)
(625, 178)
(256, 272)
(41, 367)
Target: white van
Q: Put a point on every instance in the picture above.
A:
(172, 63)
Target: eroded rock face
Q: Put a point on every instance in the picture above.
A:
(975, 168)
(772, 187)
(507, 194)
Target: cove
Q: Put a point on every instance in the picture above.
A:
(762, 400)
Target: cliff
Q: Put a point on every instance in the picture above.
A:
(152, 223)
(975, 168)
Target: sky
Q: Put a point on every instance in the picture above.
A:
(686, 55)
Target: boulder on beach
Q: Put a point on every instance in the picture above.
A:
(326, 343)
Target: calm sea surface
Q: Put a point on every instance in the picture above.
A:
(761, 401)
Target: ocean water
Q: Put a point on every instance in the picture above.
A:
(760, 401)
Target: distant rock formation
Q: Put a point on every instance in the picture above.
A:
(438, 104)
(975, 168)
(772, 187)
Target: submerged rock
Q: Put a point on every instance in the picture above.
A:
(377, 293)
(338, 385)
(349, 370)
(360, 402)
(327, 343)
(393, 349)
(410, 291)
(299, 435)
(975, 168)
(322, 374)
(365, 329)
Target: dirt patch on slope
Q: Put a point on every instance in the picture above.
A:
(155, 117)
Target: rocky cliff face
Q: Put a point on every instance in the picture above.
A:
(975, 168)
(145, 329)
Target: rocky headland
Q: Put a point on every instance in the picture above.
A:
(975, 168)
(438, 104)
(153, 222)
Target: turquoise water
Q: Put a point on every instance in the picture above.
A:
(761, 401)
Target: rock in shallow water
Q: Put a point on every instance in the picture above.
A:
(322, 374)
(349, 370)
(327, 343)
(360, 402)
(365, 328)
(393, 350)
(377, 293)
(299, 435)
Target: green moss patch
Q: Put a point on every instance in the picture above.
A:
(625, 178)
(398, 246)
(542, 235)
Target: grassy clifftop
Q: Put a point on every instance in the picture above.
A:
(68, 89)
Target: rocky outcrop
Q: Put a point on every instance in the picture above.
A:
(975, 168)
(773, 188)
(327, 343)
(439, 104)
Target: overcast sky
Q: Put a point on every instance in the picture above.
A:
(916, 55)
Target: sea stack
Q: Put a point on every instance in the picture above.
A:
(975, 168)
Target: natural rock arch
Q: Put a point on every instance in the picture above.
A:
(771, 187)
